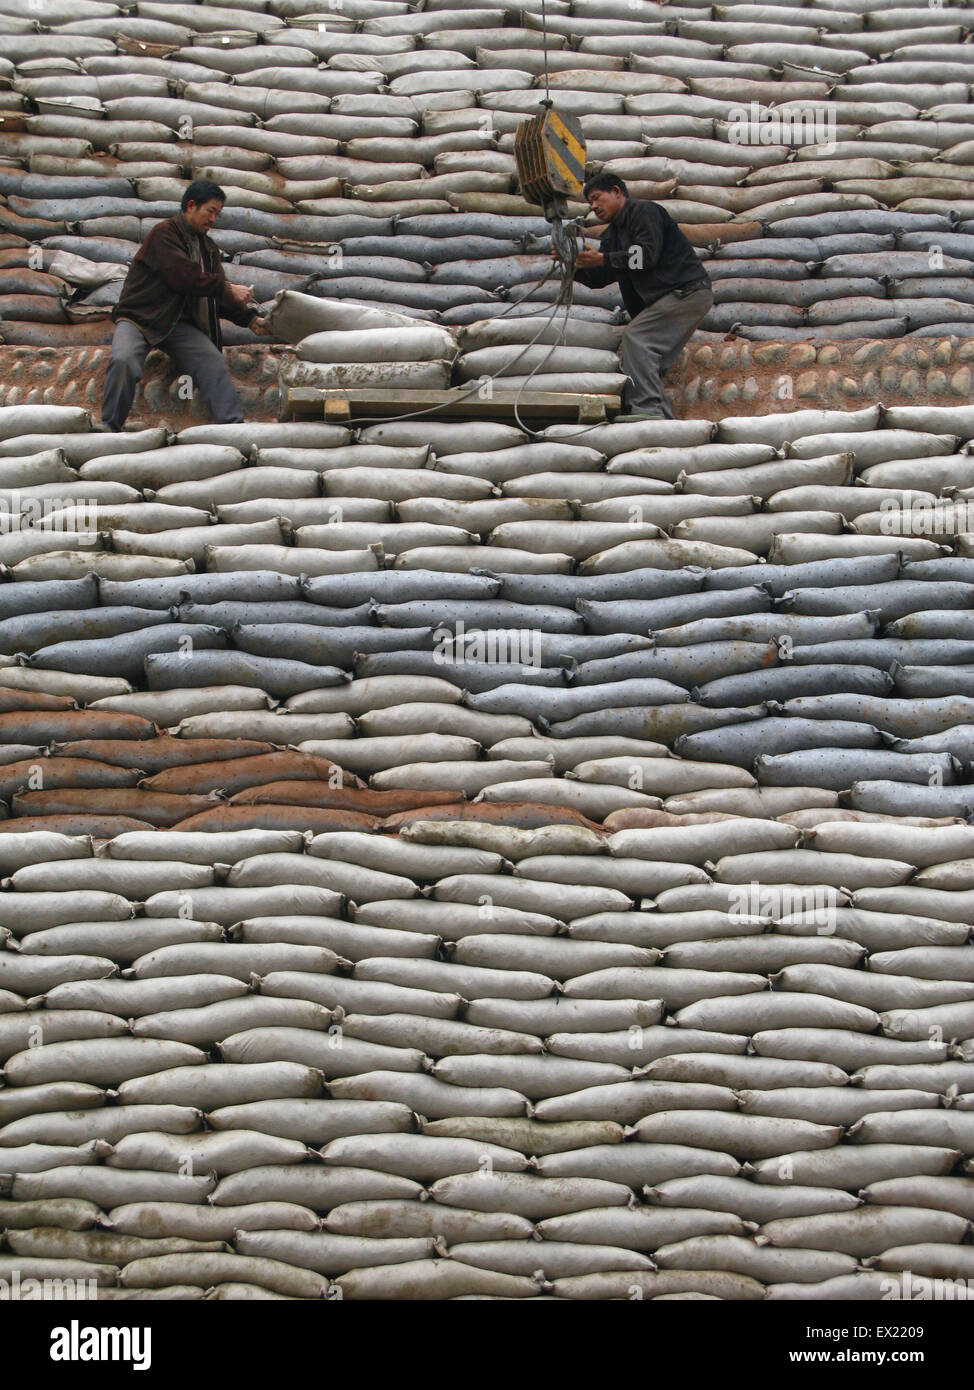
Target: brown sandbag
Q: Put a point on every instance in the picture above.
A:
(706, 233)
(238, 773)
(40, 727)
(275, 817)
(93, 333)
(21, 144)
(374, 803)
(24, 280)
(643, 818)
(63, 772)
(647, 188)
(99, 827)
(522, 815)
(159, 809)
(12, 701)
(158, 754)
(140, 48)
(31, 308)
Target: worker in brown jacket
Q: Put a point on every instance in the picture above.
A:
(173, 298)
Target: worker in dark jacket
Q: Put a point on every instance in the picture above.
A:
(173, 298)
(664, 287)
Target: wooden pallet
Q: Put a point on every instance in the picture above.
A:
(341, 405)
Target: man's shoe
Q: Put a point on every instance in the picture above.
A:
(640, 415)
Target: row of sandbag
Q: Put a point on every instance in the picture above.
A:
(819, 516)
(453, 1250)
(439, 746)
(553, 643)
(46, 552)
(562, 543)
(797, 296)
(433, 719)
(479, 200)
(125, 1231)
(641, 602)
(473, 1271)
(70, 428)
(657, 462)
(427, 751)
(710, 982)
(821, 1007)
(483, 647)
(715, 1184)
(728, 1190)
(138, 1066)
(671, 863)
(428, 846)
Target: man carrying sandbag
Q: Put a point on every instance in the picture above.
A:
(664, 287)
(173, 298)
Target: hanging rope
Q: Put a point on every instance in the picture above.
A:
(480, 384)
(544, 44)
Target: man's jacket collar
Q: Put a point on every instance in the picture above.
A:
(623, 215)
(189, 233)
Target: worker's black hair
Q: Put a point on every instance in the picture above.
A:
(201, 191)
(605, 181)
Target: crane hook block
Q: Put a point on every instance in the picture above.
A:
(550, 152)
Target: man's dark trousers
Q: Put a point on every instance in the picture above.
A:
(651, 343)
(191, 352)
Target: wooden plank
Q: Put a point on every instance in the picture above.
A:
(591, 410)
(336, 409)
(307, 402)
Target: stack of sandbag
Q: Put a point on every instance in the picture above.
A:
(351, 345)
(541, 353)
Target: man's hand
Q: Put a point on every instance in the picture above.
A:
(241, 293)
(259, 326)
(588, 256)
